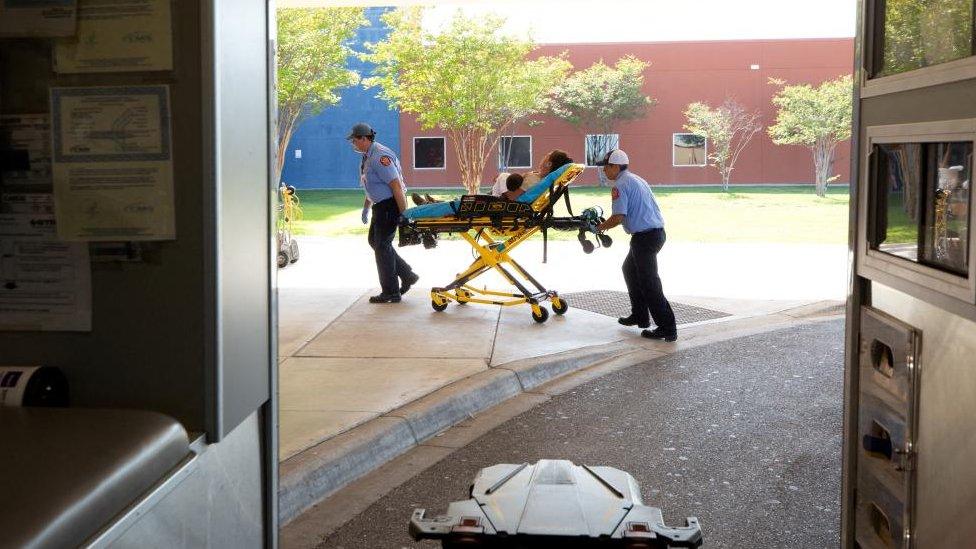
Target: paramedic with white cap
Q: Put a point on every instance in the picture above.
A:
(635, 208)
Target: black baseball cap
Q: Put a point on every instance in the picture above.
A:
(361, 130)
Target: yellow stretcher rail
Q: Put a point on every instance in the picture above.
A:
(494, 227)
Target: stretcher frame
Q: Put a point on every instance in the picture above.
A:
(492, 236)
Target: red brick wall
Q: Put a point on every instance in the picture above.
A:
(681, 73)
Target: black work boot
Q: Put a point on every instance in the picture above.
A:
(660, 334)
(384, 298)
(631, 321)
(408, 281)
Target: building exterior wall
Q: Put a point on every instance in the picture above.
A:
(327, 160)
(680, 73)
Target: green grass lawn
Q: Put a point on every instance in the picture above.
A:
(692, 214)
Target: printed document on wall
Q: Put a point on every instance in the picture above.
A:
(112, 163)
(118, 36)
(45, 283)
(23, 18)
(27, 165)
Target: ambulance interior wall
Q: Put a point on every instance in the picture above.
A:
(945, 478)
(146, 347)
(158, 341)
(186, 331)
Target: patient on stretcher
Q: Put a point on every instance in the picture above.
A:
(514, 185)
(551, 167)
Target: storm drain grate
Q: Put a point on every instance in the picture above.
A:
(617, 304)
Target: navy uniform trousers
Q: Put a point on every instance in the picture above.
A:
(643, 282)
(389, 265)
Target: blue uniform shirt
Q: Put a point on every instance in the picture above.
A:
(633, 198)
(379, 167)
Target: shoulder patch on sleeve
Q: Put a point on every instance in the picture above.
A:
(385, 160)
(614, 193)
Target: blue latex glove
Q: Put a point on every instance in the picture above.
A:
(365, 216)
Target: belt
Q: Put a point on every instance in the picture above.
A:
(648, 231)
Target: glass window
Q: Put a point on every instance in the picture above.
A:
(514, 152)
(945, 235)
(921, 212)
(428, 153)
(917, 33)
(689, 149)
(598, 145)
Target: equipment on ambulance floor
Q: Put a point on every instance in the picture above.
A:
(553, 503)
(289, 211)
(494, 227)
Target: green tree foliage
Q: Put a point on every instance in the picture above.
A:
(728, 128)
(596, 99)
(470, 80)
(313, 48)
(918, 33)
(815, 117)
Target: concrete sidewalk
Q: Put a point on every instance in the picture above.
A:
(362, 383)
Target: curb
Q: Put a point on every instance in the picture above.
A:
(322, 470)
(318, 472)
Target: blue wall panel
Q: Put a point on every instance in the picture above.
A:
(328, 160)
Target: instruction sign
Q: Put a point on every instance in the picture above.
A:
(112, 163)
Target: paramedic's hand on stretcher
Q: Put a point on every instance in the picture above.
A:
(615, 219)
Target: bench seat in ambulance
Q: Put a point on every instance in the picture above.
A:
(66, 473)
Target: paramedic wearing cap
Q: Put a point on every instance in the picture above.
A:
(381, 178)
(636, 209)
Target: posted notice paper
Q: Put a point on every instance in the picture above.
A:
(112, 163)
(27, 166)
(45, 283)
(23, 18)
(118, 36)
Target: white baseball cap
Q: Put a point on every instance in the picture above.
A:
(615, 156)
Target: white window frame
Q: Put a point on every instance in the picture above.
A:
(413, 151)
(673, 165)
(878, 265)
(586, 145)
(512, 137)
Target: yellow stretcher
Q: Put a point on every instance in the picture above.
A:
(494, 227)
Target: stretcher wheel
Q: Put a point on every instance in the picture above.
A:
(588, 246)
(463, 296)
(542, 316)
(605, 240)
(282, 260)
(561, 308)
(438, 306)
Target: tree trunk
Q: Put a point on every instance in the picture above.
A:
(725, 172)
(469, 149)
(822, 158)
(286, 128)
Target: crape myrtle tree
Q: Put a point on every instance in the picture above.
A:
(815, 117)
(313, 47)
(728, 128)
(596, 99)
(470, 80)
